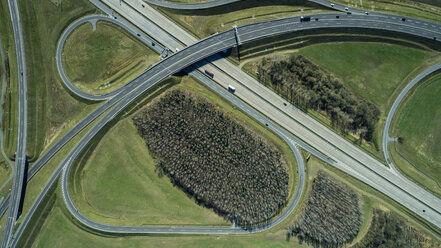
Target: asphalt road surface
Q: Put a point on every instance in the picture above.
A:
(20, 156)
(390, 116)
(169, 66)
(227, 39)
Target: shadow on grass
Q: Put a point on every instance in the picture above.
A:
(243, 5)
(302, 39)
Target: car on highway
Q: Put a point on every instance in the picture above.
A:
(231, 88)
(211, 74)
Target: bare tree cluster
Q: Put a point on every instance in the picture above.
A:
(390, 230)
(332, 216)
(306, 85)
(214, 159)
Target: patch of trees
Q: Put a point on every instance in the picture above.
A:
(389, 230)
(332, 216)
(306, 85)
(214, 159)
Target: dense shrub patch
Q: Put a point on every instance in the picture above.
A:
(308, 86)
(332, 216)
(389, 230)
(213, 158)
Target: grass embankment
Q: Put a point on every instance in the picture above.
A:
(50, 106)
(374, 71)
(203, 23)
(429, 10)
(121, 186)
(58, 230)
(418, 123)
(103, 60)
(9, 121)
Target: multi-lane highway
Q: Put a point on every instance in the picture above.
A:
(225, 40)
(20, 155)
(304, 126)
(174, 63)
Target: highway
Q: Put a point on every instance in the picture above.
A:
(178, 61)
(306, 128)
(20, 156)
(225, 40)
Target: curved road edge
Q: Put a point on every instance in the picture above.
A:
(386, 138)
(93, 19)
(220, 48)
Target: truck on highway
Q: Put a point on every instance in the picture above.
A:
(231, 88)
(305, 19)
(211, 74)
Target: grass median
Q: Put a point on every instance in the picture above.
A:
(203, 23)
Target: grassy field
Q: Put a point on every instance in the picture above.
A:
(121, 186)
(429, 10)
(11, 100)
(50, 106)
(372, 70)
(117, 57)
(203, 23)
(58, 230)
(419, 124)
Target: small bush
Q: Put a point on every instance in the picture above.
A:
(332, 216)
(213, 158)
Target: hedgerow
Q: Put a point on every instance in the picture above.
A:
(219, 162)
(332, 216)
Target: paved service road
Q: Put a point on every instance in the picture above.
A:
(390, 116)
(302, 125)
(93, 19)
(227, 39)
(20, 155)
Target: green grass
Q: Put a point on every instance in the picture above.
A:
(420, 127)
(119, 184)
(203, 23)
(58, 230)
(11, 100)
(429, 10)
(50, 106)
(117, 57)
(372, 70)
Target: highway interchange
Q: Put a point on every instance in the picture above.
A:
(195, 53)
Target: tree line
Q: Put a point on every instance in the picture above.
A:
(307, 86)
(390, 230)
(332, 216)
(214, 159)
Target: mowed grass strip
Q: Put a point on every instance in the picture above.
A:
(102, 60)
(429, 10)
(205, 22)
(420, 128)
